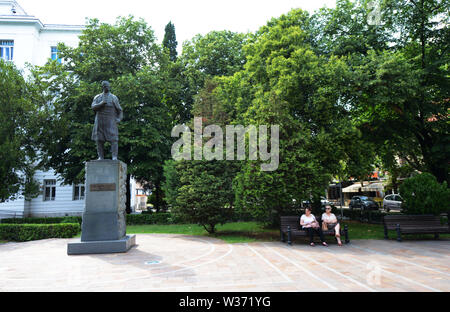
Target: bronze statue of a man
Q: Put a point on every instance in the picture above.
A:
(108, 114)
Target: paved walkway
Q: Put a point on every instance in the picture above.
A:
(164, 262)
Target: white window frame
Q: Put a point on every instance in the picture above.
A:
(51, 186)
(55, 53)
(81, 192)
(5, 45)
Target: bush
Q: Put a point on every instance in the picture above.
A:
(29, 232)
(423, 194)
(54, 220)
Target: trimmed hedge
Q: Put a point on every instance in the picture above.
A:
(29, 232)
(138, 219)
(162, 218)
(54, 220)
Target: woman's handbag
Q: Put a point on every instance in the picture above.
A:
(324, 226)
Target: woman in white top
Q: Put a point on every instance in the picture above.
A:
(311, 226)
(332, 223)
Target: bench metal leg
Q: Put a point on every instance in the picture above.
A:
(283, 239)
(436, 235)
(399, 233)
(347, 240)
(386, 233)
(289, 236)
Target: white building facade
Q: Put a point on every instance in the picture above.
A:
(25, 39)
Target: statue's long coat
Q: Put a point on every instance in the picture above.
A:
(106, 118)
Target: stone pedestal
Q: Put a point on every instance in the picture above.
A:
(104, 225)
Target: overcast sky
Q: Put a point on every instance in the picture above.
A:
(189, 16)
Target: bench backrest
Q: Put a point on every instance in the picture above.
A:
(411, 220)
(292, 221)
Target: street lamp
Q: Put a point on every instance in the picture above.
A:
(341, 200)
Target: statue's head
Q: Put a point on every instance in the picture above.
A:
(106, 86)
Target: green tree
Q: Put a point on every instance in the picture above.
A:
(400, 97)
(218, 53)
(399, 92)
(361, 156)
(203, 197)
(345, 30)
(200, 191)
(19, 127)
(386, 99)
(290, 86)
(125, 54)
(205, 59)
(171, 183)
(170, 41)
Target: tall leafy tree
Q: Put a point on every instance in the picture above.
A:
(400, 88)
(19, 127)
(346, 30)
(125, 54)
(170, 41)
(218, 53)
(396, 109)
(424, 36)
(290, 86)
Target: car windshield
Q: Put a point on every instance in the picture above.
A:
(364, 198)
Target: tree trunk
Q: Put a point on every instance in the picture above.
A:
(128, 201)
(158, 195)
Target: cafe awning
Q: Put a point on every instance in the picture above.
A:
(374, 187)
(355, 188)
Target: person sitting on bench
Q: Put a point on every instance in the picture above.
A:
(311, 226)
(330, 221)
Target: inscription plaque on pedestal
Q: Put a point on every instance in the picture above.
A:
(104, 187)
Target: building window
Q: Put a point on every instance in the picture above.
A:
(54, 54)
(49, 190)
(143, 203)
(78, 192)
(7, 50)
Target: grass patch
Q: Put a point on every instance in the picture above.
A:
(358, 230)
(239, 232)
(245, 232)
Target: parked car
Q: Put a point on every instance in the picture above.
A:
(393, 201)
(323, 201)
(364, 203)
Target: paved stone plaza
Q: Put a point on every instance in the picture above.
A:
(164, 262)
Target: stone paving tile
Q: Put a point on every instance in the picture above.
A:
(167, 262)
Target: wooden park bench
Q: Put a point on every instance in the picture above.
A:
(290, 227)
(414, 224)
